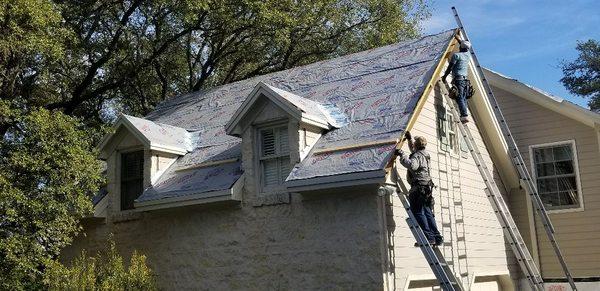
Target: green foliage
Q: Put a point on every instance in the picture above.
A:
(103, 272)
(582, 76)
(47, 176)
(135, 54)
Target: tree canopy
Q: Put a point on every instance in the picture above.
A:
(582, 76)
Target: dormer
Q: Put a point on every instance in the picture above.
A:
(137, 153)
(278, 129)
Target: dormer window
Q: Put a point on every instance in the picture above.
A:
(132, 178)
(274, 157)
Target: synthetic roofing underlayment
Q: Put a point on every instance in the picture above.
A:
(377, 90)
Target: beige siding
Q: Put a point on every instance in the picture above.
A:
(458, 180)
(577, 232)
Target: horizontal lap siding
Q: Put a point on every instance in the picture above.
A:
(577, 232)
(486, 247)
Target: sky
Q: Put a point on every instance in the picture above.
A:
(523, 39)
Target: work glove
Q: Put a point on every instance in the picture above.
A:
(399, 152)
(407, 135)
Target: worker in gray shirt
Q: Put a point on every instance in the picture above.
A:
(459, 66)
(421, 187)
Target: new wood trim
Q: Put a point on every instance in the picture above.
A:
(423, 99)
(208, 164)
(355, 146)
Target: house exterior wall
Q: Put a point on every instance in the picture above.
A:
(577, 232)
(325, 241)
(460, 193)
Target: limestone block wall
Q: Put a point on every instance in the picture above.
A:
(326, 243)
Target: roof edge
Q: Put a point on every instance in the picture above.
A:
(543, 99)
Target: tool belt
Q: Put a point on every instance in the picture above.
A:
(422, 193)
(470, 91)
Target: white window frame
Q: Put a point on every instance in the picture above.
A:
(262, 189)
(452, 145)
(573, 145)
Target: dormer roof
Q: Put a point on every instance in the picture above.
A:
(302, 109)
(153, 135)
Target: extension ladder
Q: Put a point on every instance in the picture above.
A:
(500, 208)
(517, 159)
(441, 269)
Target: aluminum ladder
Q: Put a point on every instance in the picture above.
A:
(517, 159)
(441, 269)
(509, 227)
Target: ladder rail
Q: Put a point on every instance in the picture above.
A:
(519, 163)
(435, 259)
(500, 208)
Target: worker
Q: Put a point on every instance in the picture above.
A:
(459, 64)
(421, 187)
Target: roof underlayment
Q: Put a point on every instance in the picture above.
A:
(377, 90)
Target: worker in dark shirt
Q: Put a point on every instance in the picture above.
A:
(421, 187)
(459, 66)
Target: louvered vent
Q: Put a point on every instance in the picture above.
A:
(275, 159)
(268, 142)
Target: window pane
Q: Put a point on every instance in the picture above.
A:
(568, 198)
(545, 169)
(543, 155)
(549, 199)
(564, 167)
(567, 183)
(547, 185)
(563, 153)
(267, 142)
(270, 171)
(132, 178)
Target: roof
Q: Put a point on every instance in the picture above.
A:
(154, 135)
(305, 110)
(542, 98)
(377, 90)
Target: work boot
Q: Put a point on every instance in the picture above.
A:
(439, 241)
(464, 119)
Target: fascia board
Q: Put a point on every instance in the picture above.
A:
(191, 198)
(140, 207)
(261, 89)
(167, 149)
(145, 141)
(563, 107)
(199, 197)
(284, 104)
(241, 111)
(309, 119)
(487, 120)
(350, 179)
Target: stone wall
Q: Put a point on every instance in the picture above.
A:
(320, 243)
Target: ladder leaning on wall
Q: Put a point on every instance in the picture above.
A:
(441, 269)
(517, 160)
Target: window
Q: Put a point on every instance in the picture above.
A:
(447, 130)
(274, 157)
(132, 178)
(556, 174)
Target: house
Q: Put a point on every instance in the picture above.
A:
(560, 143)
(271, 182)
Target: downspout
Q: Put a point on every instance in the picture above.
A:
(384, 244)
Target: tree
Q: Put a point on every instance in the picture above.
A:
(582, 76)
(47, 176)
(105, 271)
(137, 53)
